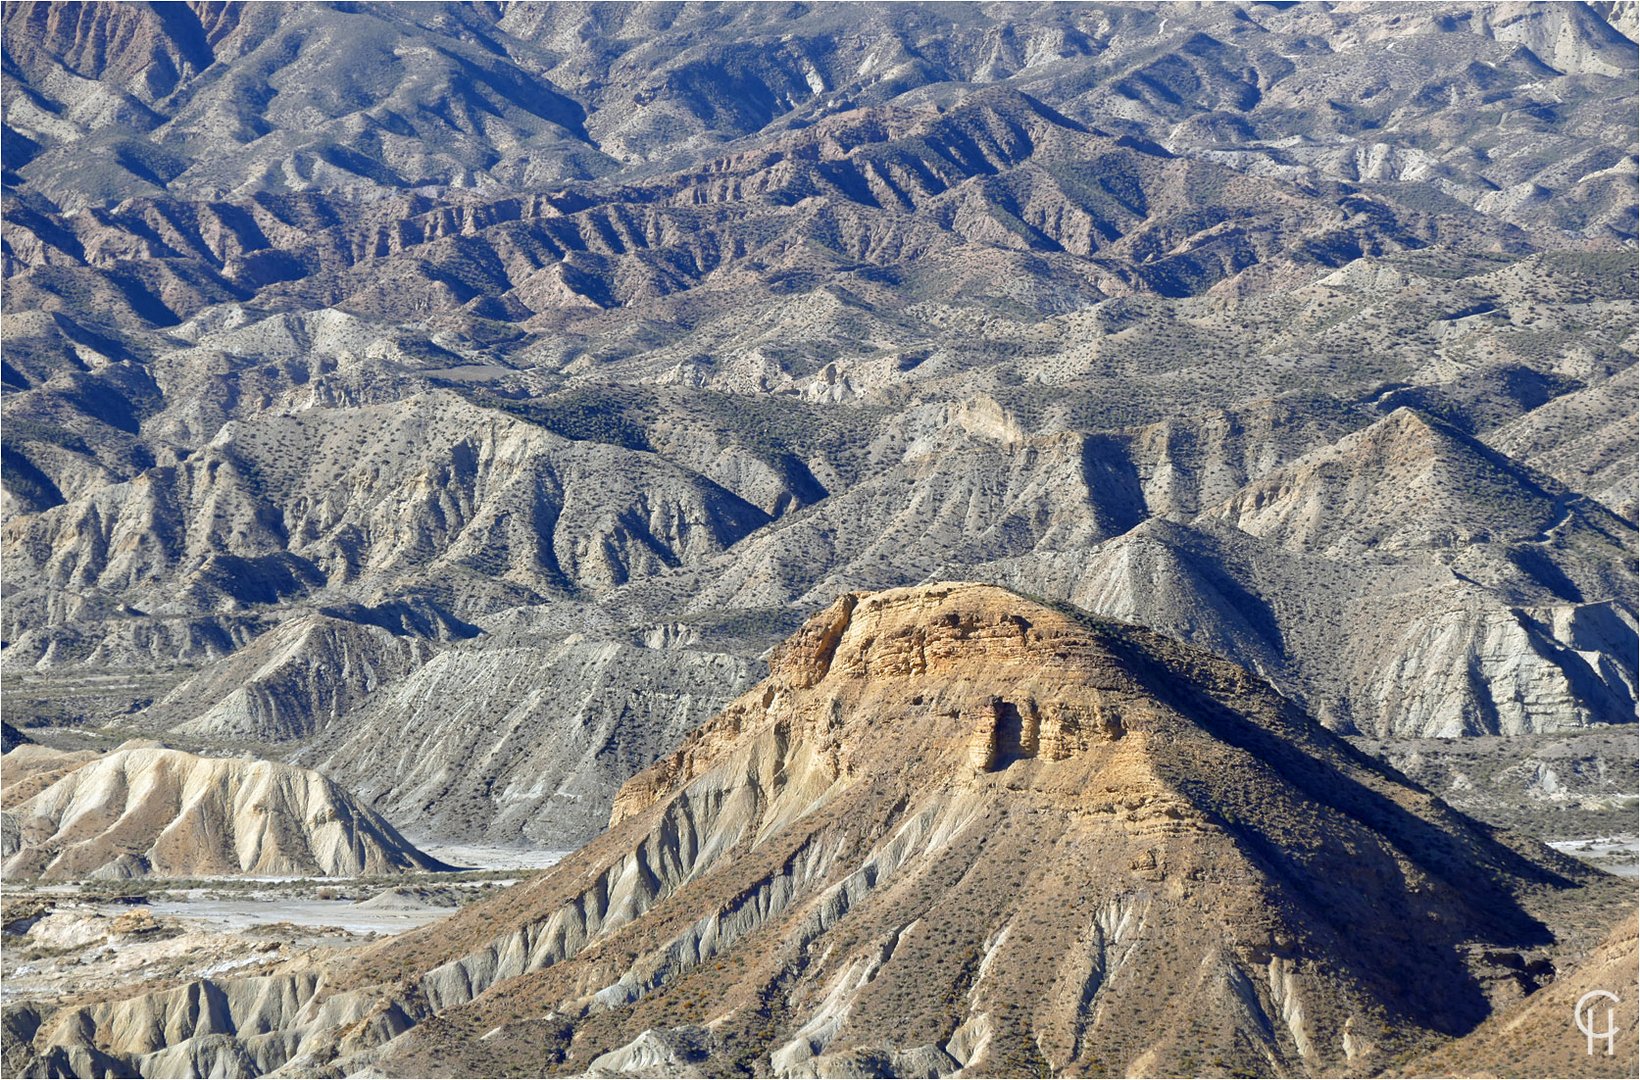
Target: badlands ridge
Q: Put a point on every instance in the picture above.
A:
(143, 811)
(954, 831)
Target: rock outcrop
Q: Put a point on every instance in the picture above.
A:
(953, 831)
(143, 812)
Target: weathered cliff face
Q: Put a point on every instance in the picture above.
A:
(148, 811)
(944, 803)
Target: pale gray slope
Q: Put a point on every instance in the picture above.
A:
(1585, 439)
(291, 681)
(952, 485)
(1189, 463)
(155, 812)
(511, 741)
(1465, 661)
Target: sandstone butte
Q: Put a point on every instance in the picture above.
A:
(954, 831)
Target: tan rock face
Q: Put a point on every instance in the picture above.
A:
(956, 830)
(806, 658)
(920, 660)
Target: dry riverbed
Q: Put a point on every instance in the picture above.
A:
(69, 938)
(1618, 855)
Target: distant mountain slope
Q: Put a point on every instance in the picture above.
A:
(293, 680)
(1467, 661)
(347, 337)
(1564, 785)
(523, 740)
(428, 489)
(206, 99)
(1408, 482)
(1585, 439)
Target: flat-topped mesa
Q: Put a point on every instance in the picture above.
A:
(969, 677)
(1107, 822)
(930, 630)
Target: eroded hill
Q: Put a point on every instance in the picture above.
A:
(954, 830)
(148, 811)
(348, 345)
